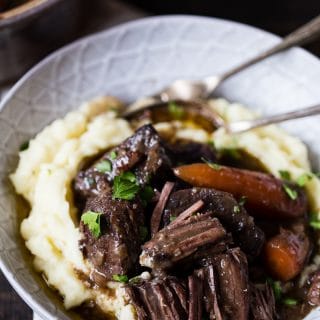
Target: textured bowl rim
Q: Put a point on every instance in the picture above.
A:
(24, 294)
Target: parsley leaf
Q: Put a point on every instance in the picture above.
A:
(293, 194)
(143, 233)
(128, 175)
(211, 144)
(92, 220)
(135, 280)
(24, 146)
(242, 200)
(236, 209)
(120, 278)
(104, 166)
(233, 153)
(172, 218)
(146, 194)
(175, 111)
(212, 165)
(303, 179)
(315, 224)
(125, 186)
(314, 220)
(289, 302)
(276, 287)
(113, 155)
(285, 174)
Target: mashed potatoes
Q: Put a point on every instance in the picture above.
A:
(47, 167)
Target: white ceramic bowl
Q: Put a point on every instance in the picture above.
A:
(130, 61)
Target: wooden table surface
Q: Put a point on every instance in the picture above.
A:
(280, 18)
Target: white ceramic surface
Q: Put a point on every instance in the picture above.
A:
(130, 61)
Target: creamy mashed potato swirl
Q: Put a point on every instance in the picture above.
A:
(46, 169)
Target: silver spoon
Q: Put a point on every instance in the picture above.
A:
(202, 89)
(246, 125)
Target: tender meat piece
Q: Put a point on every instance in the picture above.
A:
(210, 292)
(142, 153)
(313, 295)
(117, 249)
(232, 272)
(159, 299)
(286, 254)
(266, 195)
(223, 206)
(195, 288)
(190, 152)
(157, 212)
(180, 240)
(262, 302)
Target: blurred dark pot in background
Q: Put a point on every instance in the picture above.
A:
(30, 31)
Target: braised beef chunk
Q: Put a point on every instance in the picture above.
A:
(232, 272)
(179, 240)
(159, 299)
(223, 206)
(199, 239)
(142, 153)
(190, 152)
(210, 292)
(158, 209)
(195, 288)
(313, 295)
(262, 302)
(116, 250)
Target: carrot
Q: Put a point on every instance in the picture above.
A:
(266, 195)
(285, 254)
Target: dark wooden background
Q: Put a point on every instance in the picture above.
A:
(277, 16)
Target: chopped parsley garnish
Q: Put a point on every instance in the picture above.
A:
(172, 218)
(315, 224)
(212, 165)
(277, 290)
(285, 174)
(143, 233)
(175, 111)
(276, 287)
(104, 166)
(236, 209)
(92, 220)
(293, 194)
(242, 200)
(120, 278)
(146, 194)
(125, 186)
(24, 146)
(135, 280)
(89, 181)
(129, 176)
(113, 155)
(289, 302)
(314, 220)
(233, 153)
(211, 144)
(303, 179)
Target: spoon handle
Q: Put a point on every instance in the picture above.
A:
(302, 35)
(242, 126)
